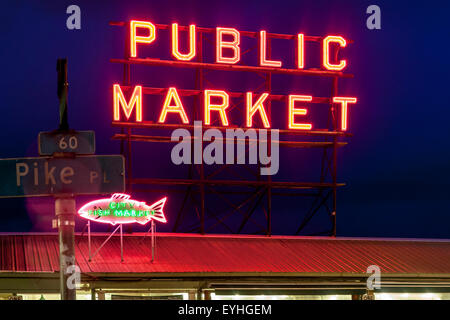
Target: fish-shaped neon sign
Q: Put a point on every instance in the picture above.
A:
(121, 209)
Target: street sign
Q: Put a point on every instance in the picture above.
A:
(79, 142)
(49, 176)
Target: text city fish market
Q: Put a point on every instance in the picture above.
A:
(216, 102)
(121, 209)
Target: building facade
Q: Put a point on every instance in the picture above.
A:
(188, 266)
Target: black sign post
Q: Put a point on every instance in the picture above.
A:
(65, 207)
(65, 214)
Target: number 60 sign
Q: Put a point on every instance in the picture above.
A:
(78, 142)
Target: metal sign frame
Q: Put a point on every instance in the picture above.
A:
(120, 228)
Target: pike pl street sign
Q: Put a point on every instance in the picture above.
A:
(48, 176)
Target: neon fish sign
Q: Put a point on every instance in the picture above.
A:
(121, 209)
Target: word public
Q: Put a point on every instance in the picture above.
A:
(216, 102)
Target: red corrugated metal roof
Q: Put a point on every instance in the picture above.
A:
(195, 253)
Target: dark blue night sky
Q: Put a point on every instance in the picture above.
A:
(396, 166)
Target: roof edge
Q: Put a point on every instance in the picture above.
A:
(233, 236)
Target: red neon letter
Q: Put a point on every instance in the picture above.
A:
(140, 39)
(119, 100)
(300, 51)
(344, 101)
(293, 112)
(233, 45)
(216, 107)
(326, 53)
(175, 52)
(177, 108)
(262, 53)
(258, 106)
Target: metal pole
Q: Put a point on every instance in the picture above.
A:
(121, 242)
(61, 68)
(89, 238)
(153, 241)
(126, 82)
(65, 213)
(335, 142)
(202, 169)
(207, 295)
(334, 169)
(92, 294)
(129, 166)
(269, 146)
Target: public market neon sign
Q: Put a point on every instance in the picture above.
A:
(216, 102)
(121, 209)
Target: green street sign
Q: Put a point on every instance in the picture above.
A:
(49, 176)
(78, 142)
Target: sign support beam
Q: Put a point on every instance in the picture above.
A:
(65, 212)
(153, 227)
(65, 208)
(61, 68)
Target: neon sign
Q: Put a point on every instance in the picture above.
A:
(128, 101)
(121, 209)
(232, 48)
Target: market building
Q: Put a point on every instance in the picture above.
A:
(190, 266)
